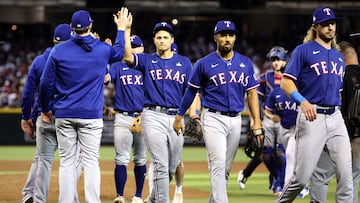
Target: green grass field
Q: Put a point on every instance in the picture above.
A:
(256, 188)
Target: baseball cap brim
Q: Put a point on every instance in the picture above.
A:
(325, 20)
(163, 28)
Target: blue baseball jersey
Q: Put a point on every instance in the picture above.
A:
(128, 87)
(222, 83)
(279, 103)
(268, 81)
(317, 72)
(165, 80)
(30, 107)
(74, 73)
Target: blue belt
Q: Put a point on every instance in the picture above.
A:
(230, 114)
(161, 109)
(130, 113)
(326, 110)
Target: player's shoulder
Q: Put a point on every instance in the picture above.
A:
(119, 64)
(241, 56)
(181, 57)
(210, 58)
(263, 76)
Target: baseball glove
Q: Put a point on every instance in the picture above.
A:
(255, 143)
(193, 130)
(135, 126)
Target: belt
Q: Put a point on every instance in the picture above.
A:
(326, 110)
(230, 114)
(130, 113)
(161, 109)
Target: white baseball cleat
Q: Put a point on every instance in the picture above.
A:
(119, 199)
(137, 200)
(178, 198)
(241, 180)
(304, 192)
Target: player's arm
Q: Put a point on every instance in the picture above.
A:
(253, 102)
(194, 109)
(271, 116)
(290, 89)
(128, 56)
(186, 101)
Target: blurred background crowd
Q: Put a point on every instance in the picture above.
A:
(261, 25)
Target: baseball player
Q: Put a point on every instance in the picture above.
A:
(128, 84)
(165, 76)
(74, 75)
(179, 173)
(324, 171)
(222, 77)
(273, 155)
(37, 185)
(313, 79)
(278, 104)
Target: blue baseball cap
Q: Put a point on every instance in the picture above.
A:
(224, 25)
(174, 48)
(62, 32)
(163, 26)
(81, 19)
(323, 14)
(136, 41)
(277, 52)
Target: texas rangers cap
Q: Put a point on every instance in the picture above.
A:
(323, 14)
(81, 19)
(174, 47)
(136, 41)
(224, 25)
(163, 26)
(277, 52)
(62, 32)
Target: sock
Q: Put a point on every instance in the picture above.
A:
(140, 173)
(250, 168)
(178, 189)
(120, 179)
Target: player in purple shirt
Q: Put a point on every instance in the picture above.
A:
(165, 76)
(128, 84)
(223, 77)
(273, 154)
(313, 79)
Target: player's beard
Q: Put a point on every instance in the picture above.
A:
(325, 38)
(225, 50)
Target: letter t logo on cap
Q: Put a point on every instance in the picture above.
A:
(327, 10)
(228, 23)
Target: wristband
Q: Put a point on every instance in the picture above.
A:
(297, 97)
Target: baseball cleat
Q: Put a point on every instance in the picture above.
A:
(304, 192)
(27, 199)
(178, 198)
(241, 180)
(119, 199)
(137, 200)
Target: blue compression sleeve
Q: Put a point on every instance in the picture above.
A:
(297, 97)
(187, 100)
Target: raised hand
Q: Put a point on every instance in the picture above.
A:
(122, 18)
